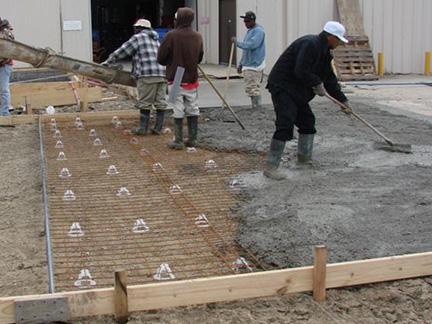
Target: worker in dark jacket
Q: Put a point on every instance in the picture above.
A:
(302, 71)
(183, 47)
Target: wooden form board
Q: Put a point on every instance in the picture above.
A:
(43, 94)
(64, 117)
(263, 284)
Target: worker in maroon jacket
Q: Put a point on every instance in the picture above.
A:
(183, 47)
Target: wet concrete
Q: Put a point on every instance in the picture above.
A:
(360, 202)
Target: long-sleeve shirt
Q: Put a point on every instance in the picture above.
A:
(143, 48)
(305, 64)
(253, 47)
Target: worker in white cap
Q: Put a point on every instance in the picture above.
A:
(150, 75)
(302, 71)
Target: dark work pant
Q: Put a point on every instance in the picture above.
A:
(290, 112)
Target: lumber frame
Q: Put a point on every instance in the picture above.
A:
(65, 117)
(234, 287)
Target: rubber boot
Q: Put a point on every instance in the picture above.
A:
(192, 131)
(177, 144)
(144, 122)
(274, 158)
(304, 149)
(256, 101)
(157, 129)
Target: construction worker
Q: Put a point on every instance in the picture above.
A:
(150, 75)
(5, 69)
(302, 71)
(183, 47)
(252, 63)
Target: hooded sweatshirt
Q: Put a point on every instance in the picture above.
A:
(183, 47)
(142, 47)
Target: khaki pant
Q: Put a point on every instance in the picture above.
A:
(151, 93)
(186, 103)
(252, 80)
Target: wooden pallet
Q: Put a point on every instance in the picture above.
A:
(354, 61)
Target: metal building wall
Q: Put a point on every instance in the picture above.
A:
(39, 23)
(398, 28)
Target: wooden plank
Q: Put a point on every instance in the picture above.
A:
(350, 16)
(64, 117)
(30, 87)
(56, 97)
(234, 287)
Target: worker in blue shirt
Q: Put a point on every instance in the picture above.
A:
(252, 63)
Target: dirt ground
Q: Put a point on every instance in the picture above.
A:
(358, 201)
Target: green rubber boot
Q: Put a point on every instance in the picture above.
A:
(177, 144)
(274, 158)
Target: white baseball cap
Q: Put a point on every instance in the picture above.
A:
(336, 29)
(143, 23)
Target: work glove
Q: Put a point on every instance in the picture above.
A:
(105, 63)
(348, 110)
(319, 90)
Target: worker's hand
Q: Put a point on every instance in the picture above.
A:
(348, 110)
(319, 90)
(105, 63)
(233, 39)
(239, 69)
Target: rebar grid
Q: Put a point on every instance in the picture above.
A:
(152, 174)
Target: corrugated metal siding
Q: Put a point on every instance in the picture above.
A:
(37, 23)
(398, 28)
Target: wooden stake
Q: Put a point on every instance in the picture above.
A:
(319, 273)
(84, 102)
(120, 297)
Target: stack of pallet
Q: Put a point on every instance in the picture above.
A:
(354, 61)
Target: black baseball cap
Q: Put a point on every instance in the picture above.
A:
(250, 15)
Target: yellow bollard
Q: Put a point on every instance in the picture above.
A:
(427, 67)
(380, 64)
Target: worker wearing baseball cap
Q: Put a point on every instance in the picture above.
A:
(150, 75)
(301, 72)
(252, 63)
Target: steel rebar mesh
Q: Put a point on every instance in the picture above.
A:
(183, 203)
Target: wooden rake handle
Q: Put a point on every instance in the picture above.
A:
(390, 142)
(221, 97)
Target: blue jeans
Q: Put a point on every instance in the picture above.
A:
(5, 72)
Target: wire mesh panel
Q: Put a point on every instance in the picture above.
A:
(120, 201)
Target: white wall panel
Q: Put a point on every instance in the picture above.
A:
(77, 43)
(35, 22)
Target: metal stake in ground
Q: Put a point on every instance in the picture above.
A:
(392, 147)
(221, 97)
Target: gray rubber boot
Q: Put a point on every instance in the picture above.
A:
(177, 144)
(192, 131)
(256, 101)
(157, 129)
(144, 122)
(304, 149)
(274, 158)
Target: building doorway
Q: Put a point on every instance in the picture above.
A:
(112, 21)
(227, 29)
